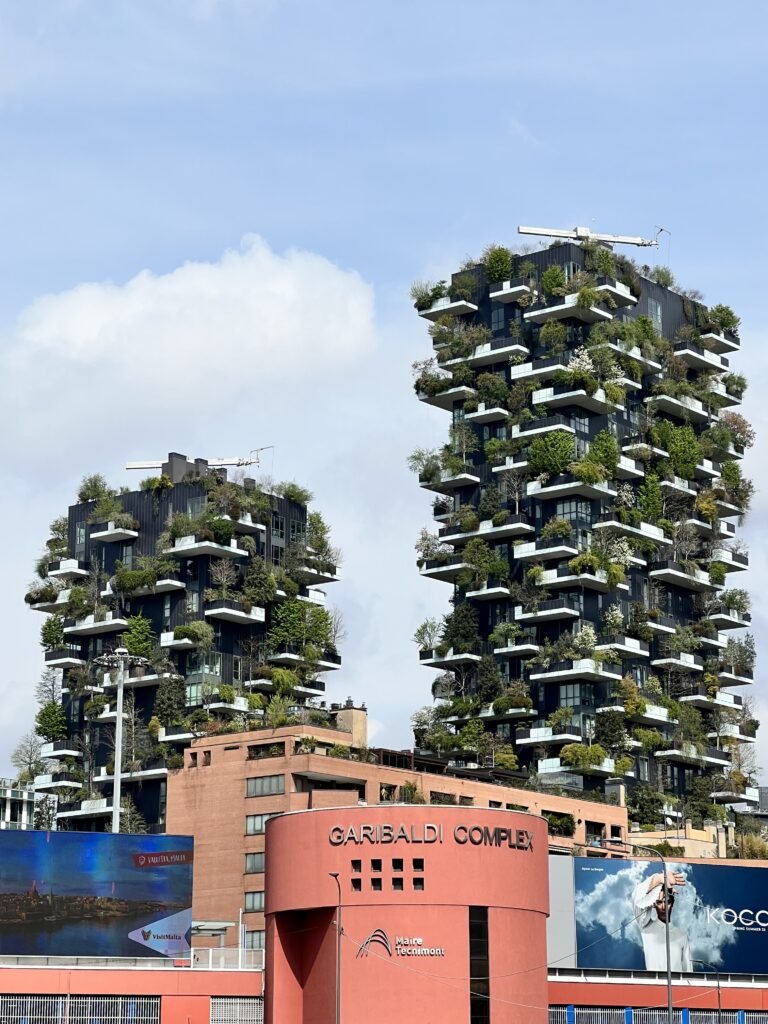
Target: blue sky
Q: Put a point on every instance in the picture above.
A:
(366, 145)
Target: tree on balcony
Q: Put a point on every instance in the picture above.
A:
(551, 453)
(139, 639)
(51, 722)
(131, 819)
(170, 701)
(582, 758)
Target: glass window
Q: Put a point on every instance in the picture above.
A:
(278, 527)
(192, 602)
(80, 541)
(497, 317)
(266, 785)
(254, 863)
(196, 506)
(166, 612)
(654, 312)
(254, 902)
(298, 532)
(126, 555)
(255, 824)
(254, 940)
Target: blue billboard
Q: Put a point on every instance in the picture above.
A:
(95, 894)
(717, 914)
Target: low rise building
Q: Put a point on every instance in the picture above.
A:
(17, 805)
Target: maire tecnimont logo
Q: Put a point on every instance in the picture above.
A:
(377, 937)
(405, 945)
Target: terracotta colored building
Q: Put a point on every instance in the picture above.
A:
(231, 785)
(444, 916)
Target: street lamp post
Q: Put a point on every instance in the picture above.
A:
(710, 967)
(655, 853)
(335, 876)
(118, 660)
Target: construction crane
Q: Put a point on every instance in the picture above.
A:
(585, 235)
(252, 458)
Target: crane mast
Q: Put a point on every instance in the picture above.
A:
(582, 234)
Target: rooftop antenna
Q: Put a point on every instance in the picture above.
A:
(253, 458)
(586, 235)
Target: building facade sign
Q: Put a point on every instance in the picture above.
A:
(386, 834)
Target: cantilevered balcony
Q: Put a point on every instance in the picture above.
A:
(96, 624)
(689, 753)
(246, 524)
(236, 706)
(705, 700)
(648, 364)
(170, 641)
(618, 291)
(487, 414)
(734, 561)
(732, 734)
(727, 508)
(678, 485)
(491, 590)
(135, 678)
(707, 469)
(64, 657)
(560, 396)
(726, 399)
(565, 579)
(167, 585)
(544, 550)
(108, 533)
(629, 469)
(448, 307)
(448, 659)
(644, 531)
(539, 369)
(315, 573)
(57, 781)
(67, 569)
(447, 480)
(544, 425)
(513, 526)
(576, 669)
(58, 749)
(234, 611)
(511, 291)
(516, 463)
(192, 546)
(300, 656)
(729, 618)
(698, 357)
(674, 574)
(520, 647)
(487, 714)
(156, 768)
(728, 793)
(57, 605)
(659, 623)
(549, 611)
(647, 714)
(566, 307)
(680, 661)
(626, 645)
(721, 341)
(447, 399)
(497, 350)
(683, 408)
(569, 486)
(546, 734)
(735, 675)
(553, 765)
(446, 568)
(99, 808)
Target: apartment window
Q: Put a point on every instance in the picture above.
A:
(418, 885)
(376, 865)
(193, 759)
(254, 902)
(166, 613)
(376, 884)
(494, 803)
(466, 801)
(254, 940)
(192, 604)
(642, 769)
(80, 541)
(654, 312)
(237, 668)
(357, 866)
(418, 863)
(206, 758)
(126, 555)
(397, 864)
(580, 424)
(266, 785)
(497, 318)
(255, 824)
(278, 527)
(162, 802)
(357, 885)
(196, 506)
(254, 863)
(397, 884)
(573, 509)
(298, 532)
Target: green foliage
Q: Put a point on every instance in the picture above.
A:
(582, 758)
(551, 453)
(610, 731)
(52, 636)
(139, 639)
(491, 389)
(645, 804)
(604, 451)
(515, 697)
(586, 562)
(425, 294)
(488, 679)
(292, 491)
(650, 502)
(626, 690)
(623, 764)
(170, 701)
(560, 718)
(471, 735)
(156, 483)
(553, 335)
(107, 507)
(560, 824)
(556, 529)
(94, 707)
(460, 629)
(51, 722)
(588, 296)
(724, 318)
(498, 262)
(260, 583)
(482, 563)
(663, 276)
(505, 633)
(553, 280)
(651, 739)
(301, 624)
(588, 472)
(201, 632)
(717, 573)
(93, 487)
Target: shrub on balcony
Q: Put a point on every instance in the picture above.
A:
(651, 739)
(459, 631)
(516, 696)
(724, 318)
(505, 634)
(139, 639)
(554, 337)
(498, 262)
(717, 573)
(559, 719)
(556, 529)
(45, 591)
(552, 453)
(482, 563)
(464, 285)
(52, 636)
(553, 280)
(469, 520)
(614, 392)
(624, 764)
(589, 296)
(488, 679)
(735, 384)
(613, 619)
(736, 600)
(426, 463)
(626, 690)
(742, 431)
(588, 472)
(583, 758)
(201, 632)
(94, 707)
(586, 562)
(604, 451)
(650, 501)
(490, 502)
(560, 824)
(740, 654)
(424, 294)
(51, 722)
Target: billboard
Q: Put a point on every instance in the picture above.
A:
(95, 894)
(717, 913)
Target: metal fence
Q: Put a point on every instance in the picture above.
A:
(651, 1015)
(222, 959)
(80, 1009)
(237, 1010)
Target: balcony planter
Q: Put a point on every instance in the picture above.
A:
(228, 610)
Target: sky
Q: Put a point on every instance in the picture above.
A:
(211, 212)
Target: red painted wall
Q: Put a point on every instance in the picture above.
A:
(693, 996)
(380, 985)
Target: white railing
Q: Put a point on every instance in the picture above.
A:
(219, 958)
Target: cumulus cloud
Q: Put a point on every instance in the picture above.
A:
(609, 905)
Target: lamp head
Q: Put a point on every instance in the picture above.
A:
(121, 652)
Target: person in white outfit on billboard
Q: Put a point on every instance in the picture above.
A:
(650, 912)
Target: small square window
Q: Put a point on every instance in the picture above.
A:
(357, 885)
(206, 757)
(418, 884)
(418, 863)
(375, 865)
(397, 864)
(376, 884)
(193, 759)
(357, 866)
(397, 884)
